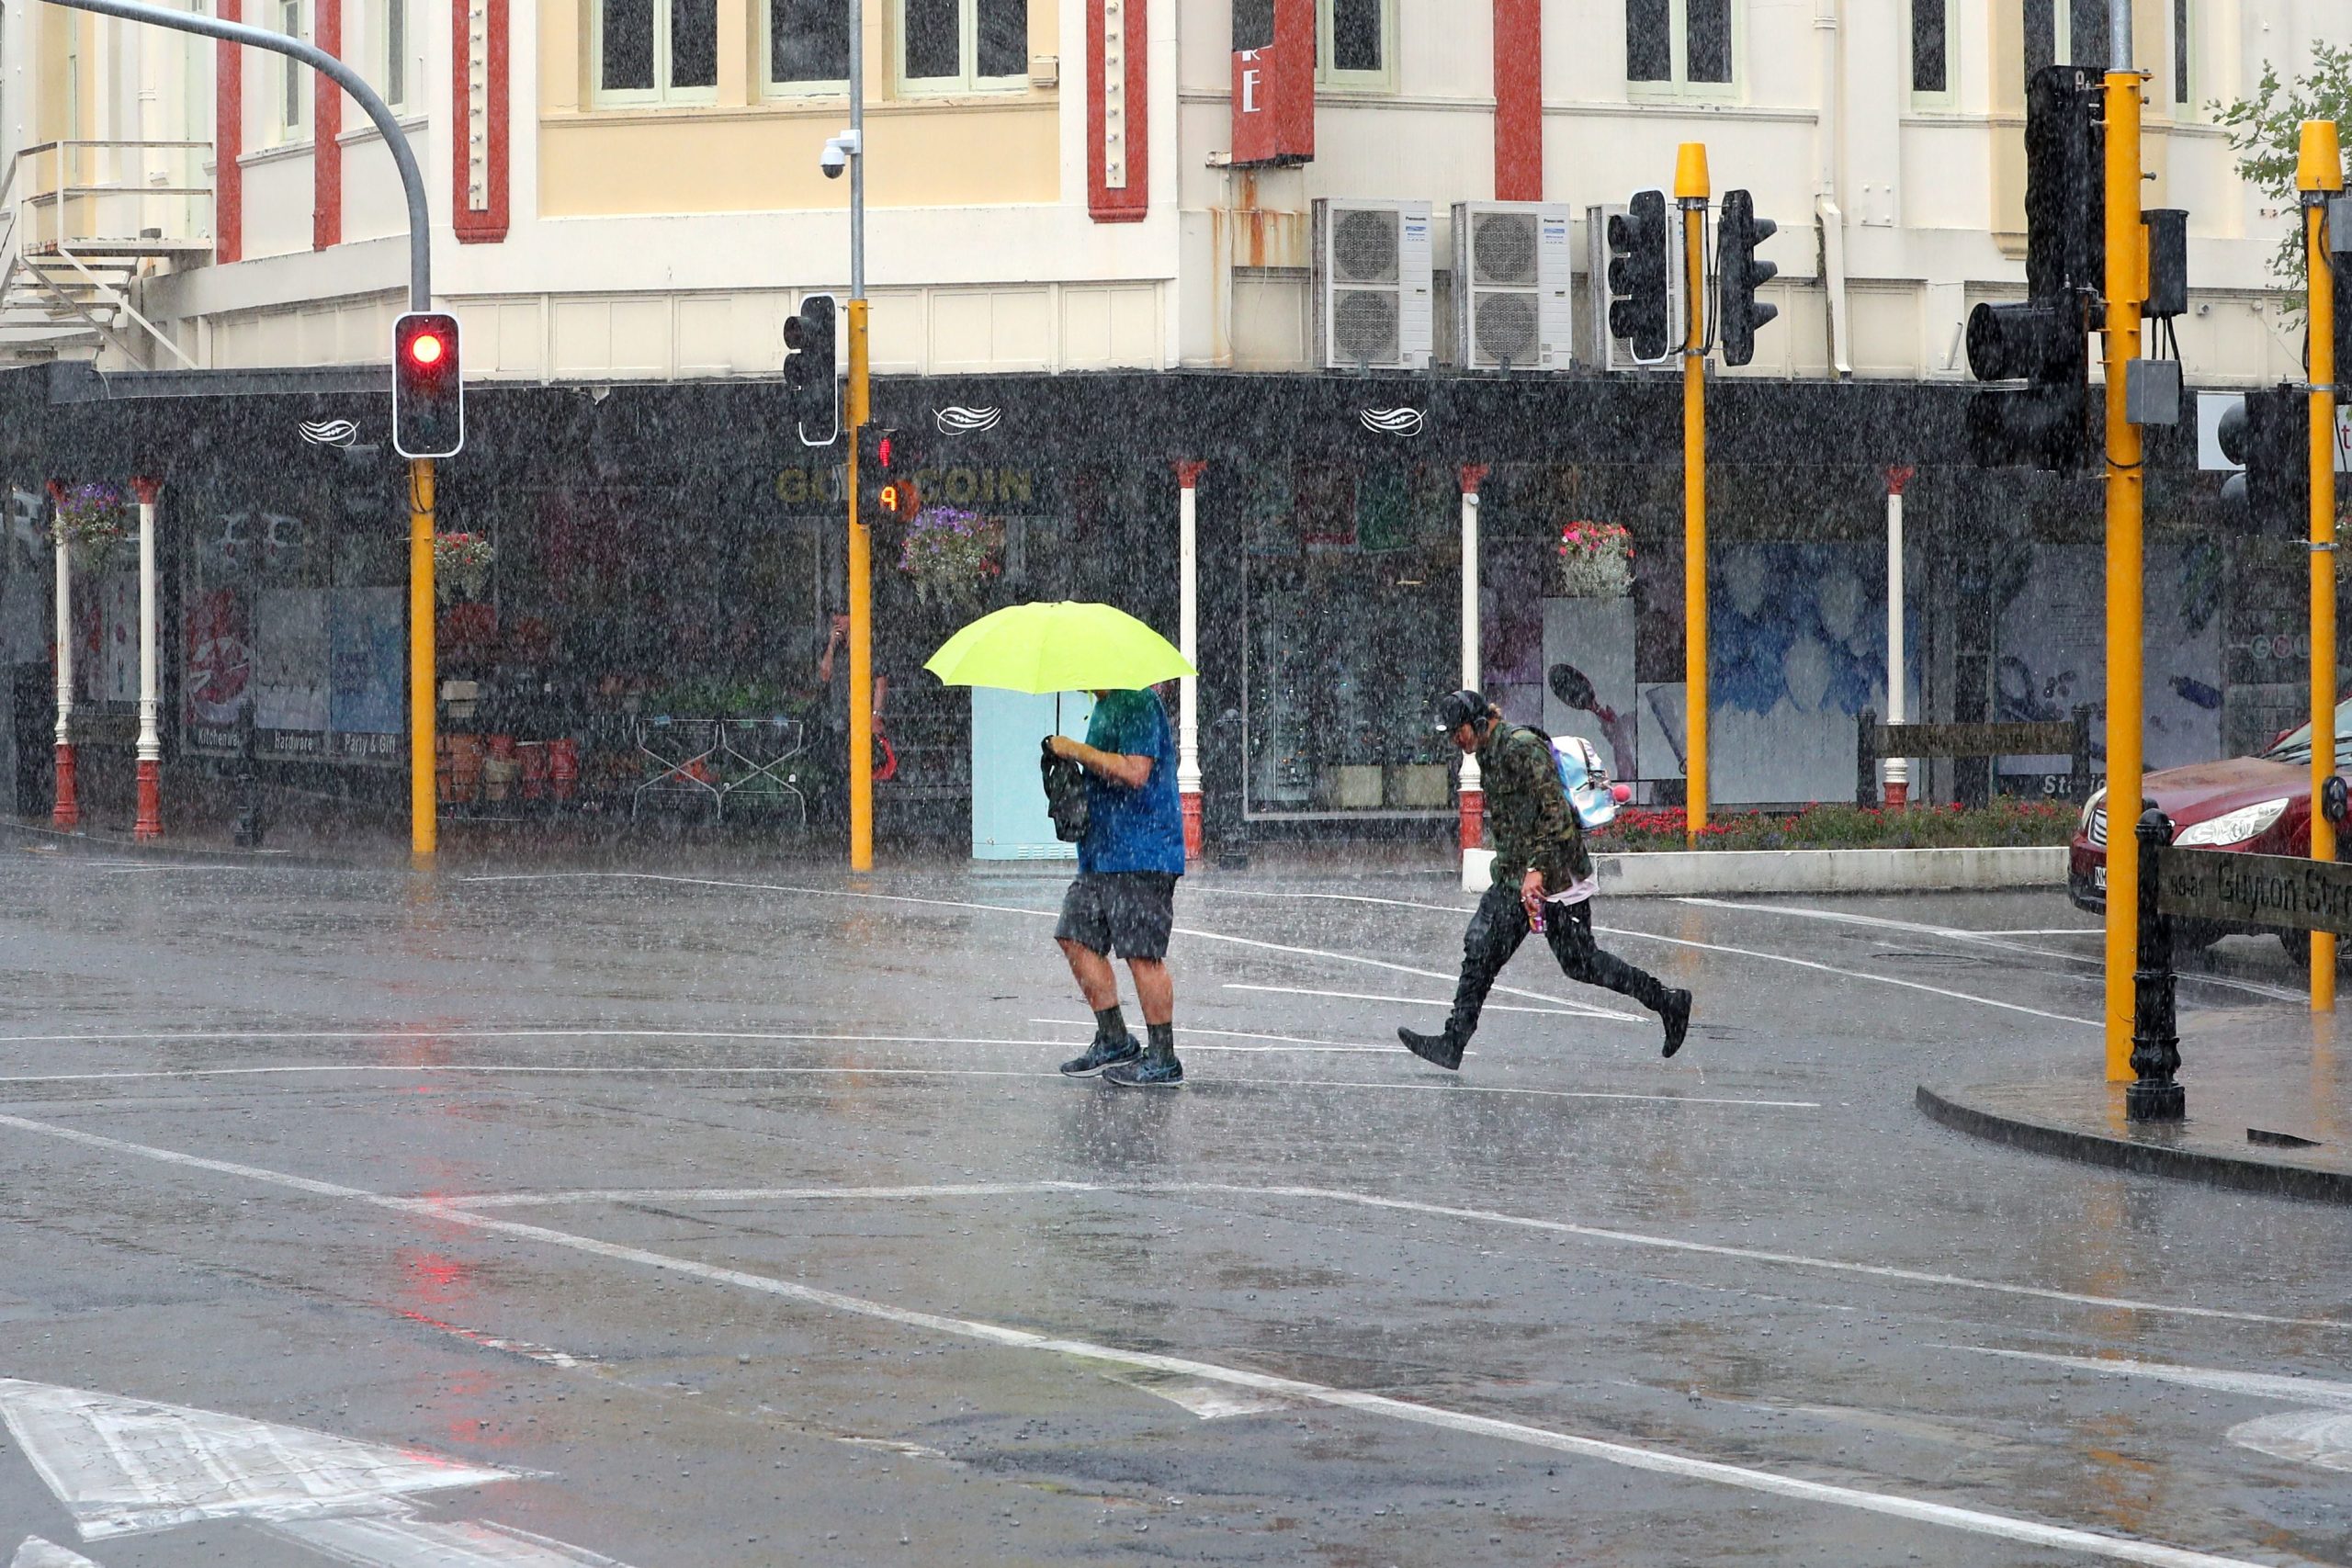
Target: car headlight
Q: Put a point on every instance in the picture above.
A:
(2091, 808)
(2236, 828)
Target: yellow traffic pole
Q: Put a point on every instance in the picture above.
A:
(1690, 191)
(2320, 174)
(861, 619)
(423, 810)
(2127, 288)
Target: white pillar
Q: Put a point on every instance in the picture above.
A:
(1469, 610)
(64, 645)
(148, 823)
(1895, 772)
(1188, 635)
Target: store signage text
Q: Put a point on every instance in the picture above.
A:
(955, 486)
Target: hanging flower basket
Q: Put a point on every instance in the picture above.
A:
(92, 519)
(951, 553)
(461, 562)
(1596, 560)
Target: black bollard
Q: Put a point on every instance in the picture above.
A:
(2154, 1096)
(249, 815)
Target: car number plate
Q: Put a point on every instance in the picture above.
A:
(2099, 877)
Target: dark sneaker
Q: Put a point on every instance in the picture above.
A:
(1146, 1074)
(1675, 1014)
(1100, 1054)
(1438, 1050)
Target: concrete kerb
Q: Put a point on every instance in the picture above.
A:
(1720, 873)
(2155, 1152)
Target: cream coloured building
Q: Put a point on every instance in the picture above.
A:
(622, 189)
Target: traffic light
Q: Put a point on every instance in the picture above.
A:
(428, 385)
(886, 473)
(1638, 247)
(1738, 274)
(2065, 182)
(2045, 425)
(2269, 435)
(814, 392)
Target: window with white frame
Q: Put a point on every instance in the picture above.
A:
(392, 63)
(1681, 45)
(1355, 43)
(292, 106)
(654, 51)
(1932, 62)
(2065, 32)
(806, 46)
(947, 46)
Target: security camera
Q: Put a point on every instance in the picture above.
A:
(833, 159)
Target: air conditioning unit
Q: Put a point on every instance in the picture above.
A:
(1616, 354)
(1373, 279)
(1513, 297)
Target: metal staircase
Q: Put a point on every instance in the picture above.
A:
(80, 223)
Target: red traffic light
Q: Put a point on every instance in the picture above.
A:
(426, 348)
(428, 385)
(882, 452)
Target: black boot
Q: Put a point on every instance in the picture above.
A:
(1676, 1015)
(1439, 1050)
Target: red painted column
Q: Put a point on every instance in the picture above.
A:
(1187, 723)
(1518, 100)
(326, 123)
(229, 141)
(66, 813)
(1473, 798)
(477, 51)
(149, 823)
(1118, 119)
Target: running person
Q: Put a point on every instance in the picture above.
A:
(1541, 870)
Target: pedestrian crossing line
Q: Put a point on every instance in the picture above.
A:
(1653, 1459)
(1571, 1010)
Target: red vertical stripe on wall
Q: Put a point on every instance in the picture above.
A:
(326, 127)
(1518, 100)
(485, 224)
(1127, 203)
(228, 142)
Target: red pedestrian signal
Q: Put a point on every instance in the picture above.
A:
(428, 385)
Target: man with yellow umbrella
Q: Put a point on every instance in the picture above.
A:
(1123, 900)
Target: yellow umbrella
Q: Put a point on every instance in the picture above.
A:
(1063, 647)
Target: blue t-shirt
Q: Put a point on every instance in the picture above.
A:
(1133, 830)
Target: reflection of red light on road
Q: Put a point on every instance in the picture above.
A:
(430, 1277)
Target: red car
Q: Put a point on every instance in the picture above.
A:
(2261, 804)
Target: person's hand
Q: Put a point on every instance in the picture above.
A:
(1062, 745)
(1530, 892)
(841, 629)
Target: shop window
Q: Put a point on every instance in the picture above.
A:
(2065, 32)
(392, 53)
(2184, 59)
(655, 51)
(807, 46)
(1355, 43)
(293, 93)
(1682, 46)
(947, 46)
(1931, 67)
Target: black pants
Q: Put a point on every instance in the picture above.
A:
(1500, 925)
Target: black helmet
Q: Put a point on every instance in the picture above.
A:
(1457, 708)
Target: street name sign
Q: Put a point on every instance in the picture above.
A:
(2282, 891)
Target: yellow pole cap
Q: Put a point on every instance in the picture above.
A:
(1690, 172)
(2321, 164)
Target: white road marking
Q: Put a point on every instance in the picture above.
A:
(404, 1543)
(38, 1553)
(2322, 1437)
(1287, 1040)
(1571, 1010)
(2259, 1385)
(1628, 1455)
(878, 1071)
(1001, 909)
(1406, 1205)
(127, 1466)
(1986, 939)
(1206, 1401)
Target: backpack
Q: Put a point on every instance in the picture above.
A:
(1065, 794)
(1586, 779)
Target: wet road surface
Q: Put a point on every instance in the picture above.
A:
(740, 1218)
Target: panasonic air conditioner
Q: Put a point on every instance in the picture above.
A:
(1616, 354)
(1372, 282)
(1514, 305)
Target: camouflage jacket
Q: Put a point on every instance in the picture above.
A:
(1529, 820)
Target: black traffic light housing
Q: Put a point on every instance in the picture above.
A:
(814, 392)
(886, 473)
(2066, 180)
(2046, 424)
(428, 385)
(2269, 435)
(1639, 243)
(1739, 273)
